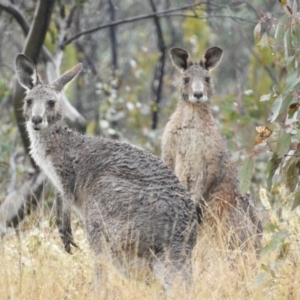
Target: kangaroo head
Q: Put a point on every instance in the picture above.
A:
(196, 85)
(42, 105)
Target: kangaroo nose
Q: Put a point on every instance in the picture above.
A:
(36, 120)
(198, 95)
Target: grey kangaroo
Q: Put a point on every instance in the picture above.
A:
(131, 202)
(193, 147)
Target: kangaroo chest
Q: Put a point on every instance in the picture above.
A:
(196, 145)
(44, 161)
(197, 151)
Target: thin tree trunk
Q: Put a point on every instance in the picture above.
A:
(157, 83)
(113, 38)
(32, 49)
(17, 203)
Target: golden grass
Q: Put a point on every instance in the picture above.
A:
(35, 266)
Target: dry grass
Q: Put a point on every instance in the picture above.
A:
(35, 266)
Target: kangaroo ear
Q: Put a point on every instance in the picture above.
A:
(180, 58)
(26, 72)
(66, 78)
(211, 58)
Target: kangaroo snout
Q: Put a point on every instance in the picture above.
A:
(198, 95)
(36, 122)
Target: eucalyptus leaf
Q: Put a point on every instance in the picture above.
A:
(245, 174)
(296, 199)
(257, 31)
(276, 108)
(272, 166)
(283, 145)
(265, 97)
(292, 176)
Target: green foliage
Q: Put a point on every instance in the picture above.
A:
(280, 49)
(196, 34)
(245, 173)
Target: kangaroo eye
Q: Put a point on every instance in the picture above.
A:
(51, 103)
(29, 102)
(186, 80)
(207, 79)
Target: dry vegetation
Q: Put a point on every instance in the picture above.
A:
(35, 266)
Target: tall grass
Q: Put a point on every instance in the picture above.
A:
(34, 265)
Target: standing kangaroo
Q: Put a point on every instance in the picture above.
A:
(131, 202)
(193, 147)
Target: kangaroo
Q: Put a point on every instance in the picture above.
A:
(193, 147)
(131, 202)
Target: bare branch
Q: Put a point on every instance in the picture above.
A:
(20, 18)
(17, 14)
(160, 14)
(66, 25)
(213, 16)
(133, 19)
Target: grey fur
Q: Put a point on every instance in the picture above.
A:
(130, 200)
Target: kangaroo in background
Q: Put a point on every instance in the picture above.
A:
(131, 202)
(193, 147)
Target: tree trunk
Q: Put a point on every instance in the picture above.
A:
(18, 203)
(157, 83)
(32, 48)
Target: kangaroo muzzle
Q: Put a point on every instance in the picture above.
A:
(38, 112)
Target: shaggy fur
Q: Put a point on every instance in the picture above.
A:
(133, 205)
(193, 147)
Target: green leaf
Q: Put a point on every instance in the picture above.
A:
(264, 41)
(279, 34)
(276, 108)
(276, 241)
(272, 167)
(283, 145)
(291, 81)
(276, 89)
(245, 174)
(295, 8)
(297, 135)
(265, 97)
(271, 227)
(292, 176)
(271, 246)
(296, 199)
(284, 250)
(257, 31)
